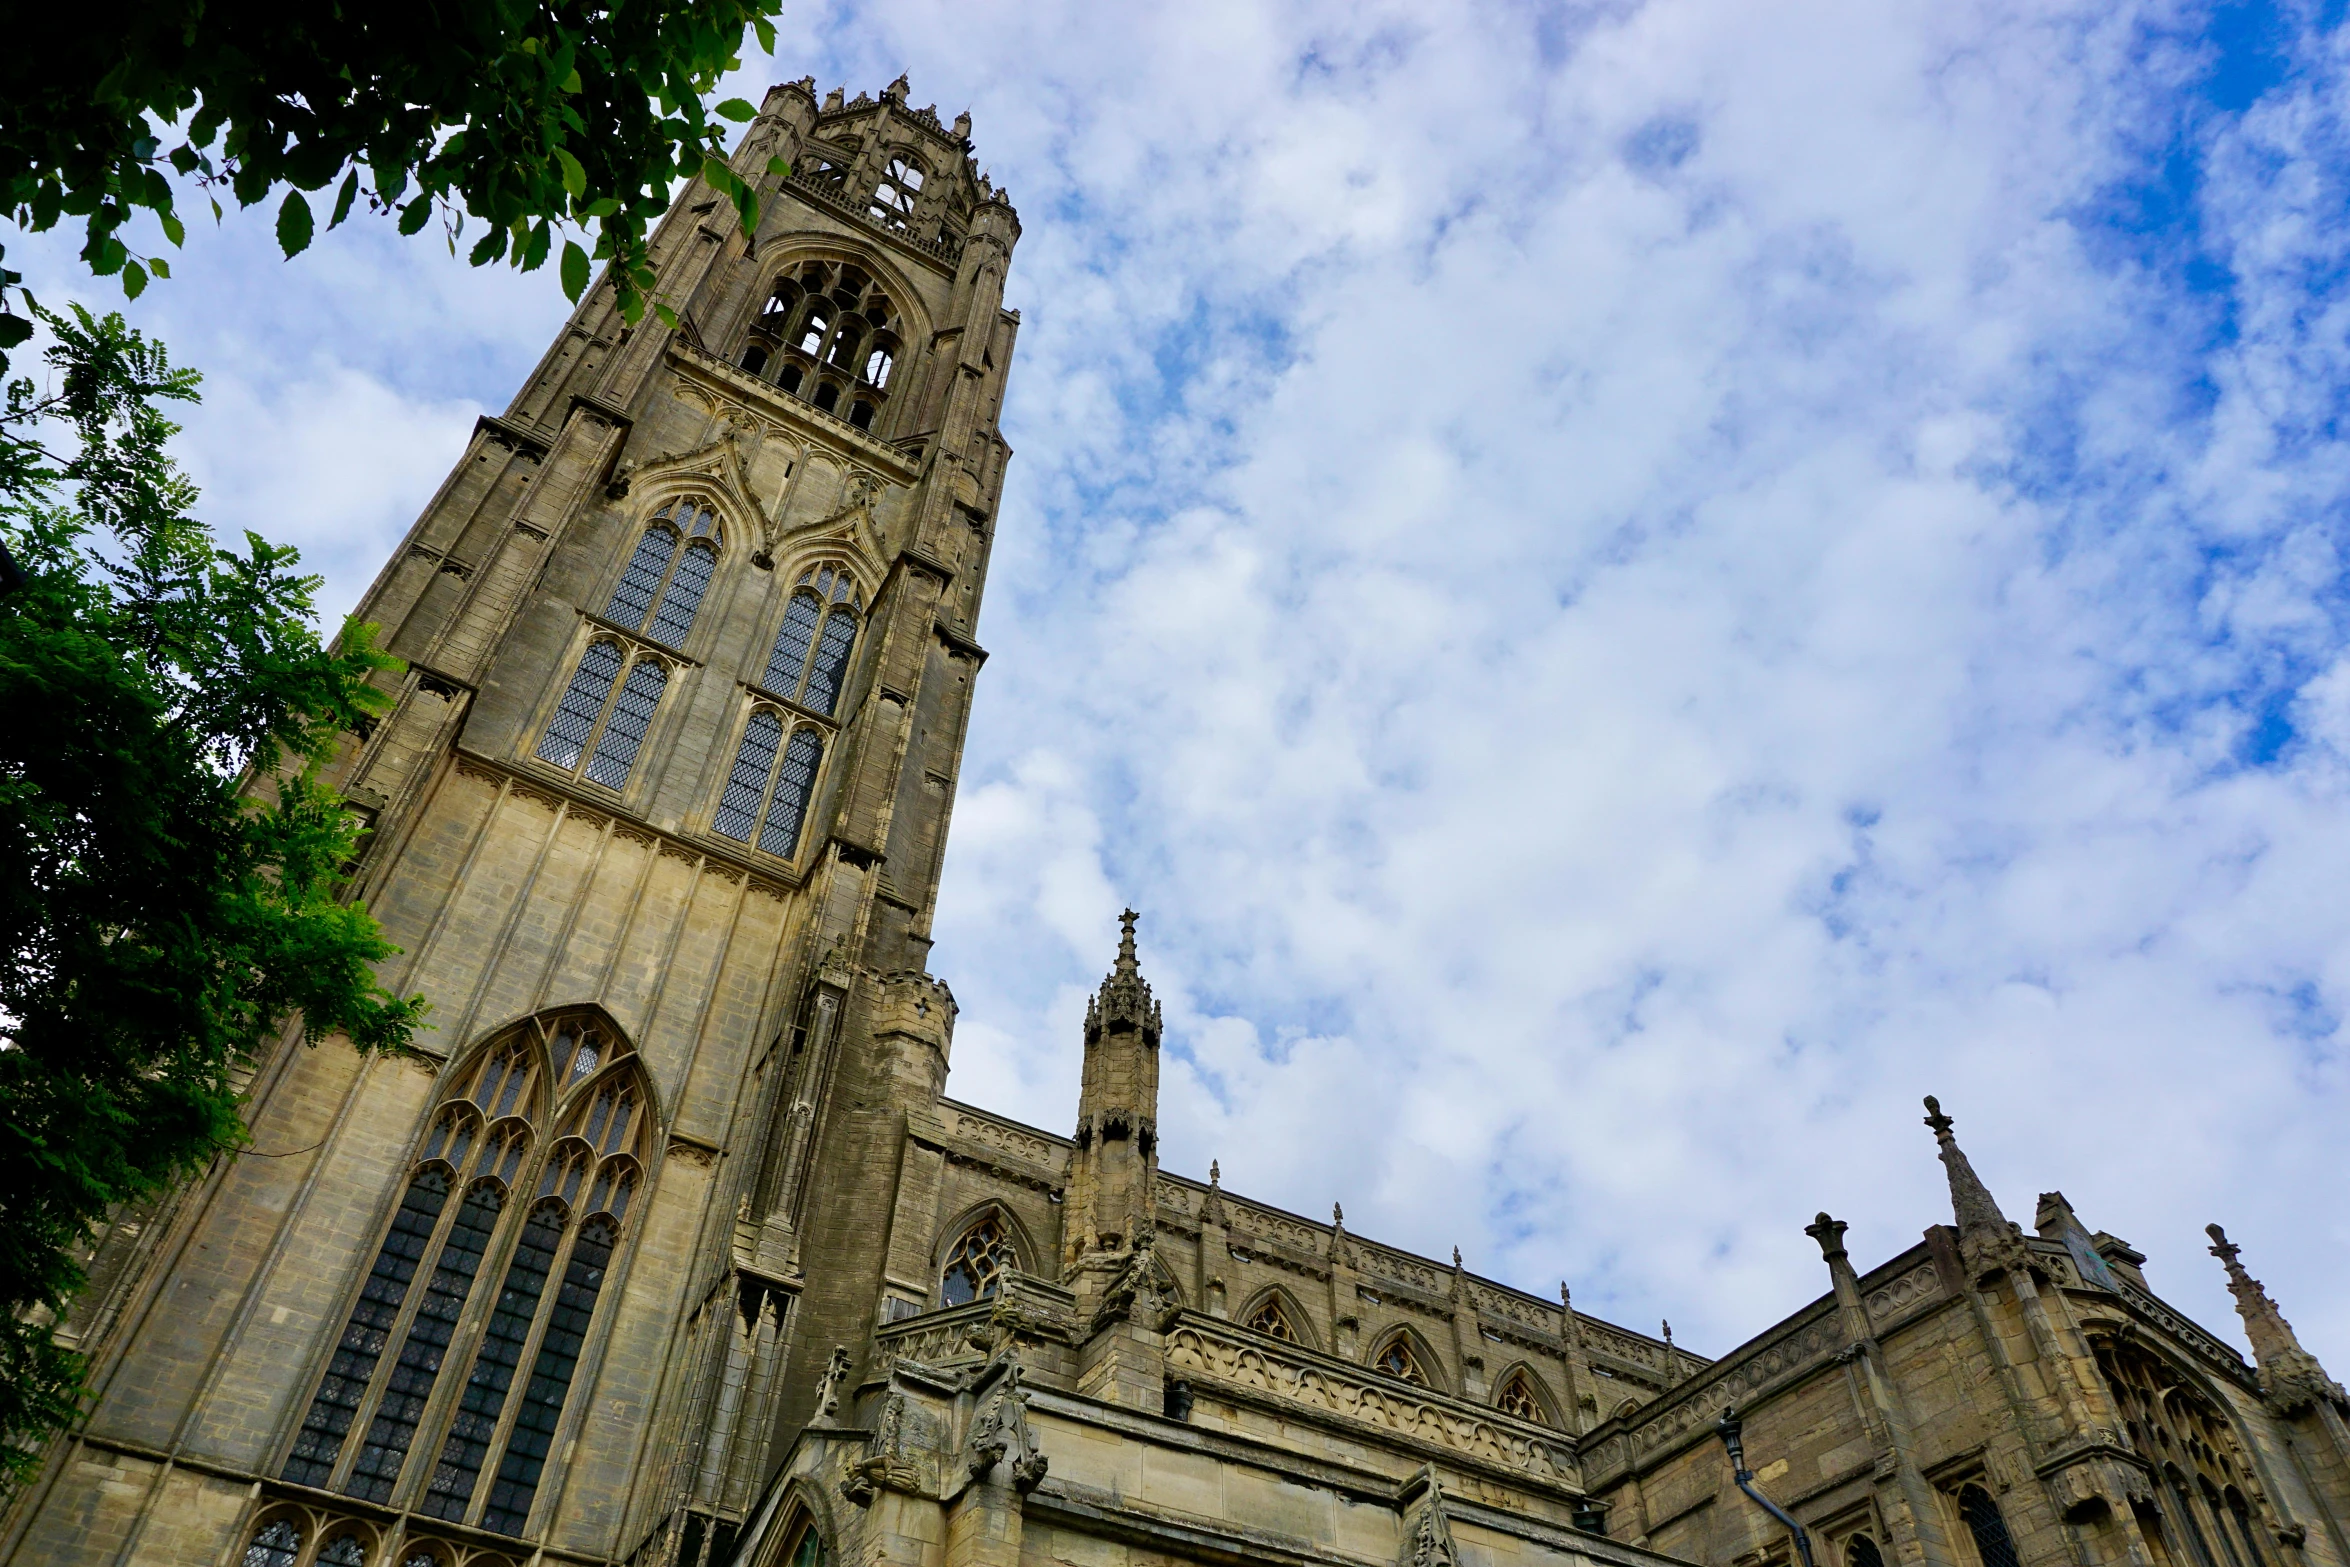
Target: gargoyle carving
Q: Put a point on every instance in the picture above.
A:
(1000, 1433)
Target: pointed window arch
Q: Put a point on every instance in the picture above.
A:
(1271, 1317)
(832, 314)
(344, 1550)
(275, 1544)
(483, 1140)
(1994, 1546)
(594, 723)
(764, 802)
(662, 574)
(1520, 1397)
(1861, 1551)
(1401, 1359)
(810, 661)
(976, 1265)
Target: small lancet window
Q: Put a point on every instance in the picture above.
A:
(1519, 1399)
(976, 1267)
(1861, 1551)
(1994, 1547)
(1397, 1360)
(1273, 1321)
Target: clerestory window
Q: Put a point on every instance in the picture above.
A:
(1397, 1358)
(1271, 1318)
(1517, 1397)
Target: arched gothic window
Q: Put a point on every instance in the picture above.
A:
(661, 574)
(975, 1269)
(275, 1544)
(1517, 1397)
(604, 726)
(1271, 1318)
(810, 662)
(1861, 1551)
(481, 1140)
(344, 1550)
(2174, 1426)
(764, 802)
(828, 317)
(1994, 1546)
(894, 198)
(1397, 1358)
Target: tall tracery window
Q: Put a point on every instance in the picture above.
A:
(566, 1070)
(828, 333)
(1517, 1397)
(894, 197)
(604, 726)
(2174, 1426)
(663, 586)
(1398, 1359)
(764, 802)
(976, 1267)
(810, 662)
(1994, 1546)
(1271, 1318)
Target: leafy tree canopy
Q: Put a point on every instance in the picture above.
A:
(537, 116)
(169, 858)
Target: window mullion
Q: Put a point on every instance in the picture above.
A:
(518, 1391)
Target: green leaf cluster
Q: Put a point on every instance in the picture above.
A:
(529, 117)
(171, 863)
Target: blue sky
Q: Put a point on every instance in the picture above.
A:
(1630, 588)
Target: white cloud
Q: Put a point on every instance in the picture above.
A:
(1630, 588)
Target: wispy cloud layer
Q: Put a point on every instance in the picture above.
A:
(1630, 588)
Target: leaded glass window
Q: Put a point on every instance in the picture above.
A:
(565, 741)
(1994, 1547)
(765, 796)
(550, 1379)
(975, 1268)
(1397, 1359)
(659, 572)
(1519, 1398)
(275, 1544)
(344, 1550)
(419, 1365)
(362, 1344)
(470, 1434)
(1272, 1319)
(625, 730)
(810, 663)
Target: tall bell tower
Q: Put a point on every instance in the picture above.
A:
(656, 821)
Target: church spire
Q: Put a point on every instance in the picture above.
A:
(1970, 1200)
(2290, 1373)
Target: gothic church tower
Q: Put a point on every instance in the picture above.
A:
(657, 823)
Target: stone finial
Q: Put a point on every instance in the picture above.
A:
(962, 129)
(1124, 1003)
(1456, 1259)
(1566, 1298)
(1211, 1209)
(1830, 1234)
(896, 91)
(1215, 1174)
(2290, 1374)
(1970, 1201)
(834, 99)
(1338, 1215)
(1668, 1325)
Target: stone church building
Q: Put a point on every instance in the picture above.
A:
(668, 1248)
